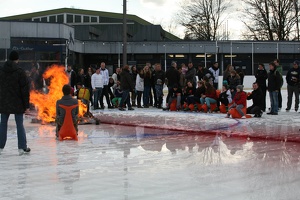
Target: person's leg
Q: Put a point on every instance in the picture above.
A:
(168, 96)
(296, 91)
(279, 99)
(264, 89)
(3, 130)
(22, 142)
(271, 101)
(202, 100)
(208, 101)
(96, 98)
(178, 104)
(275, 94)
(239, 109)
(133, 98)
(154, 96)
(106, 94)
(289, 97)
(139, 98)
(129, 106)
(101, 97)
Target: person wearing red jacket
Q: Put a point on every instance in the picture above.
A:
(239, 101)
(210, 96)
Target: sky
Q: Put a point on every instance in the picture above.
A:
(155, 11)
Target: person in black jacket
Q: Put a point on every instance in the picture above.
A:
(158, 78)
(14, 99)
(257, 97)
(292, 79)
(261, 76)
(274, 84)
(127, 87)
(172, 78)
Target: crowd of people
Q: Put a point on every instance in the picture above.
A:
(142, 87)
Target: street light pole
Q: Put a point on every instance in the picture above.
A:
(165, 57)
(124, 33)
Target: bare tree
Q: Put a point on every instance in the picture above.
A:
(202, 18)
(269, 19)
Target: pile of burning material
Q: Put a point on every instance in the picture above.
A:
(46, 103)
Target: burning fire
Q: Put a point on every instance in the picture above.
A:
(46, 103)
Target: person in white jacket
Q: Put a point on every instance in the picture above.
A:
(139, 87)
(97, 85)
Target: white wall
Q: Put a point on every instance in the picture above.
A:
(248, 80)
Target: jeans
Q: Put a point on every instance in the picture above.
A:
(208, 101)
(125, 99)
(22, 142)
(274, 101)
(97, 95)
(159, 95)
(146, 94)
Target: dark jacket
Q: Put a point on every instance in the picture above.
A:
(14, 89)
(66, 100)
(173, 77)
(274, 81)
(173, 93)
(158, 75)
(293, 76)
(190, 75)
(261, 77)
(126, 80)
(233, 81)
(257, 98)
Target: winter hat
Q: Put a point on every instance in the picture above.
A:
(296, 62)
(240, 87)
(13, 56)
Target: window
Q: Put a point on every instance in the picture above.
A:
(77, 18)
(60, 18)
(44, 19)
(52, 19)
(86, 19)
(93, 19)
(69, 18)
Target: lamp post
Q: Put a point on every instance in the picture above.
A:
(165, 57)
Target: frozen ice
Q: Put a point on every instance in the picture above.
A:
(158, 156)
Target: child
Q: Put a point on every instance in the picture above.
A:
(239, 101)
(225, 96)
(117, 96)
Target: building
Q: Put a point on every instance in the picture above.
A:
(83, 38)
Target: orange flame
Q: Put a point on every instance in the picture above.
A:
(46, 103)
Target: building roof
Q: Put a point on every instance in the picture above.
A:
(117, 16)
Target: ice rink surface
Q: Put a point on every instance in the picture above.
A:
(161, 155)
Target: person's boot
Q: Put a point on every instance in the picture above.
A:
(195, 107)
(24, 151)
(133, 104)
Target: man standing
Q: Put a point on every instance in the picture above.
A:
(97, 86)
(279, 69)
(274, 84)
(105, 75)
(72, 76)
(127, 87)
(215, 71)
(172, 78)
(190, 75)
(14, 99)
(292, 79)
